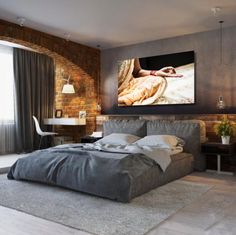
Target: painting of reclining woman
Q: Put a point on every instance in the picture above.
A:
(157, 80)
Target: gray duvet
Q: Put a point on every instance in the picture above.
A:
(100, 173)
(117, 176)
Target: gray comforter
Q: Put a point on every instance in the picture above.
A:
(103, 173)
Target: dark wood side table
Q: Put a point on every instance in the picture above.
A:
(89, 139)
(218, 150)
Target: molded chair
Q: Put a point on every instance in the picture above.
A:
(40, 132)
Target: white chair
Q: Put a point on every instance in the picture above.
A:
(40, 132)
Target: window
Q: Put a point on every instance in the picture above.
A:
(6, 84)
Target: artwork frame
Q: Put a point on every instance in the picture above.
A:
(173, 74)
(82, 114)
(58, 113)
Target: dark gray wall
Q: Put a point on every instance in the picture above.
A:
(212, 78)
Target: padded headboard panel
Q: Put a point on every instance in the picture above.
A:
(134, 127)
(187, 130)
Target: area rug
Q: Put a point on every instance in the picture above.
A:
(97, 215)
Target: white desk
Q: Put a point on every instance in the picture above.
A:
(65, 121)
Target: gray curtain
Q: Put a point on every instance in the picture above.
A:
(34, 95)
(7, 137)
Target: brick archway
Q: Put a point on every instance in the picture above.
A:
(82, 63)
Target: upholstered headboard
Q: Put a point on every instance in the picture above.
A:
(134, 127)
(189, 131)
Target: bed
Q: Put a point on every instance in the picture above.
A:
(115, 175)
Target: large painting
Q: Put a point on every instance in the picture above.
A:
(157, 80)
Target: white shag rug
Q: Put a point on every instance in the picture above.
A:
(97, 215)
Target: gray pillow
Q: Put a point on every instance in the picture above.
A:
(133, 127)
(162, 141)
(188, 131)
(118, 139)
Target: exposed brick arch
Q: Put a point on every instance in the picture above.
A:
(78, 54)
(82, 63)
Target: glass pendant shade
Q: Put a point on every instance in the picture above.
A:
(220, 103)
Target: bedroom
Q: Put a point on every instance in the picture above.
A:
(82, 45)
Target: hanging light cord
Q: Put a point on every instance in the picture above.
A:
(220, 102)
(221, 41)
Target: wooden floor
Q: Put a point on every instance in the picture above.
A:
(213, 213)
(7, 160)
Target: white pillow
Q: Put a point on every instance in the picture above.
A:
(162, 141)
(118, 139)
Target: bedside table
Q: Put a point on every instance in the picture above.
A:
(218, 150)
(89, 139)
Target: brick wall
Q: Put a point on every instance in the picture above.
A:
(82, 63)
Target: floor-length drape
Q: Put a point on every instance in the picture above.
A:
(34, 95)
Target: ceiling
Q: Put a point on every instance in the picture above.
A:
(114, 23)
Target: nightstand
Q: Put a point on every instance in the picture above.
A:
(89, 139)
(218, 150)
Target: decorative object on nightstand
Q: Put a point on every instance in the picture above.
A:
(89, 139)
(219, 150)
(225, 129)
(97, 135)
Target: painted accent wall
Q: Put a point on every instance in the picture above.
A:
(212, 77)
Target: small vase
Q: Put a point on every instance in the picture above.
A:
(225, 139)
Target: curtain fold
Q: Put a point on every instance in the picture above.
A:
(7, 137)
(34, 95)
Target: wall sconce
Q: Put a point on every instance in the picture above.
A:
(68, 88)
